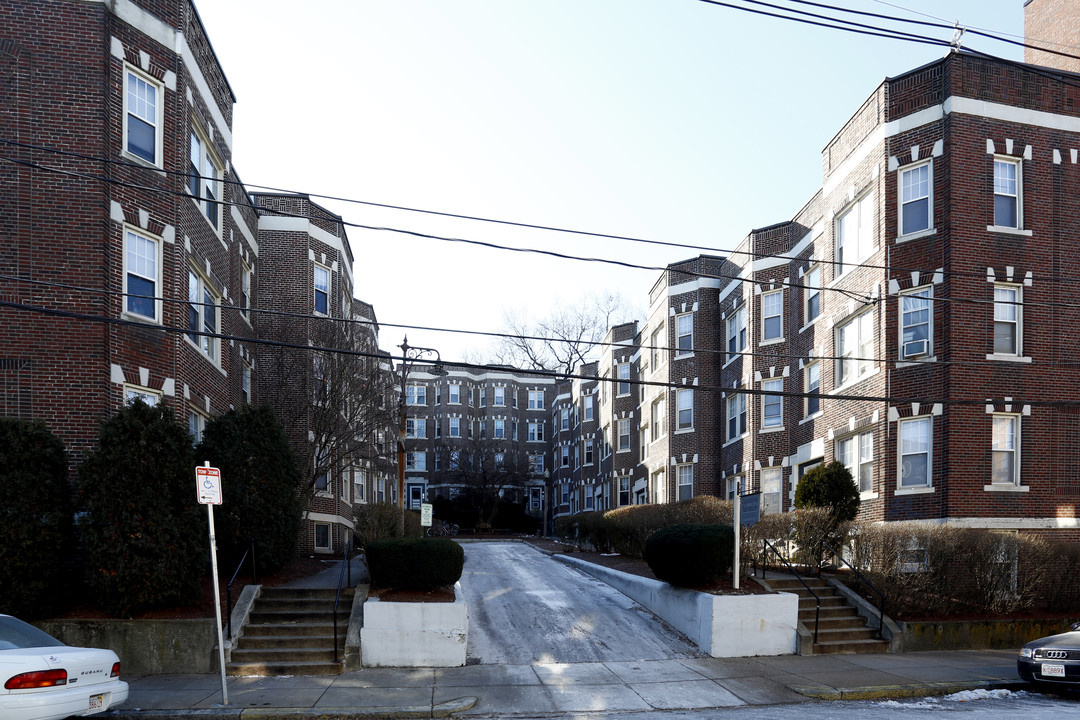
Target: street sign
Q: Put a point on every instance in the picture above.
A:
(208, 484)
(425, 514)
(750, 508)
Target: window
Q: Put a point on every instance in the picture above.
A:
(203, 309)
(624, 378)
(1005, 449)
(659, 487)
(536, 399)
(624, 434)
(685, 402)
(916, 205)
(812, 388)
(454, 459)
(1007, 316)
(196, 425)
(736, 333)
(684, 334)
(455, 393)
(587, 400)
(656, 343)
(415, 427)
(513, 430)
(624, 491)
(245, 382)
(149, 397)
(736, 414)
(772, 315)
(771, 480)
(322, 482)
(588, 451)
(204, 178)
(142, 273)
(857, 455)
(360, 485)
(499, 396)
(536, 431)
(564, 419)
(1007, 193)
(455, 427)
(915, 448)
(438, 426)
(416, 461)
(772, 406)
(855, 233)
(685, 475)
(812, 294)
(416, 395)
(143, 113)
(855, 346)
(500, 461)
(322, 536)
(245, 289)
(322, 290)
(536, 464)
(915, 323)
(657, 420)
(499, 430)
(564, 456)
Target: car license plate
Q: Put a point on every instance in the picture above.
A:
(97, 703)
(1052, 670)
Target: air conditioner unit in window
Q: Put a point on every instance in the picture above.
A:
(915, 348)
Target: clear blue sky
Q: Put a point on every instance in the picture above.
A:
(671, 120)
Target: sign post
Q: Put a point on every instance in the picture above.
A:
(738, 527)
(208, 485)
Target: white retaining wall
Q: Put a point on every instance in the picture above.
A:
(398, 634)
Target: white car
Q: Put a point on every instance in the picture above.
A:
(44, 679)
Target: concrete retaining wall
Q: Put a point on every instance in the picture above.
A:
(721, 625)
(145, 647)
(978, 634)
(404, 634)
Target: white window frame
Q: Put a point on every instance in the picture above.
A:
(926, 421)
(454, 393)
(772, 485)
(587, 413)
(536, 431)
(588, 453)
(856, 452)
(318, 291)
(536, 463)
(245, 290)
(772, 404)
(909, 299)
(736, 411)
(1007, 443)
(657, 352)
(205, 172)
(684, 403)
(416, 461)
(659, 486)
(136, 392)
(684, 473)
(624, 434)
(564, 419)
(624, 379)
(772, 309)
(454, 430)
(812, 388)
(416, 394)
(850, 251)
(812, 294)
(415, 427)
(328, 547)
(196, 424)
(683, 349)
(736, 333)
(498, 398)
(658, 415)
(536, 399)
(848, 369)
(1006, 187)
(1003, 306)
(911, 190)
(498, 430)
(134, 109)
(564, 456)
(135, 266)
(245, 381)
(204, 310)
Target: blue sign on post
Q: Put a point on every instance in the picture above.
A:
(750, 508)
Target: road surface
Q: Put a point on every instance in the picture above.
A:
(525, 608)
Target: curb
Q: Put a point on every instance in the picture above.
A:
(441, 710)
(883, 692)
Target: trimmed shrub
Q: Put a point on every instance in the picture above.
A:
(628, 528)
(145, 537)
(261, 487)
(689, 555)
(829, 486)
(381, 521)
(35, 520)
(415, 563)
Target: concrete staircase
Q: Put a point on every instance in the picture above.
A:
(290, 631)
(841, 629)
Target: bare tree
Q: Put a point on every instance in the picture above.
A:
(487, 471)
(564, 339)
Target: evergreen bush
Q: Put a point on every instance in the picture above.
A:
(829, 486)
(380, 521)
(146, 539)
(415, 563)
(261, 487)
(35, 520)
(691, 555)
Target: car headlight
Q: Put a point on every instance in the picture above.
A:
(1027, 652)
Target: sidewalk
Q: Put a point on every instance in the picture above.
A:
(500, 690)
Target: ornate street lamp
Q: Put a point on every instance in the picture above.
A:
(409, 357)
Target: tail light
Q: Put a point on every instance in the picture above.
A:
(115, 670)
(44, 678)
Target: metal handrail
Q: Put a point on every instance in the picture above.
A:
(346, 564)
(228, 588)
(881, 605)
(817, 609)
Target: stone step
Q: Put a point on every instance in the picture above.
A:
(272, 642)
(806, 603)
(846, 634)
(296, 628)
(851, 646)
(851, 620)
(282, 604)
(263, 617)
(283, 655)
(295, 668)
(301, 593)
(791, 583)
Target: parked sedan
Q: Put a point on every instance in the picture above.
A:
(1053, 660)
(44, 679)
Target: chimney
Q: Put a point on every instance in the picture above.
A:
(1053, 24)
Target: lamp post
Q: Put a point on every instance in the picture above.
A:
(409, 356)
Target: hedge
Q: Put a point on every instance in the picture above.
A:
(415, 563)
(691, 555)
